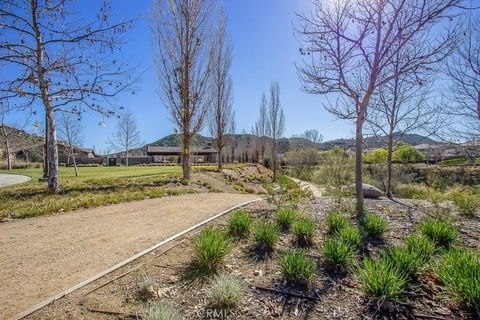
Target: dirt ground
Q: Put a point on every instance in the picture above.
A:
(43, 256)
(330, 296)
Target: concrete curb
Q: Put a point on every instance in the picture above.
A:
(123, 263)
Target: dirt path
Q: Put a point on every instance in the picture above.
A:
(43, 256)
(11, 179)
(316, 190)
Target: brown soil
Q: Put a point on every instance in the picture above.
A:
(336, 296)
(43, 256)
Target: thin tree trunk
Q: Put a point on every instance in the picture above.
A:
(274, 159)
(389, 165)
(358, 166)
(45, 152)
(126, 158)
(219, 158)
(53, 183)
(186, 157)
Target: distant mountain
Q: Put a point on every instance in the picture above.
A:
(378, 142)
(247, 142)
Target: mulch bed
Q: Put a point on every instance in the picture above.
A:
(330, 296)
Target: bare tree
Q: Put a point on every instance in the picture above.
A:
(400, 106)
(232, 140)
(261, 128)
(70, 131)
(184, 61)
(463, 68)
(349, 44)
(276, 124)
(10, 131)
(60, 59)
(313, 135)
(126, 136)
(222, 86)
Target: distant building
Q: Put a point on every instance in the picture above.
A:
(206, 154)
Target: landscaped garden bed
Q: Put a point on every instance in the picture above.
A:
(265, 263)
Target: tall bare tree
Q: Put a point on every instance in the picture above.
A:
(70, 131)
(276, 124)
(58, 58)
(313, 135)
(400, 106)
(349, 44)
(184, 62)
(261, 128)
(222, 86)
(463, 68)
(10, 130)
(127, 136)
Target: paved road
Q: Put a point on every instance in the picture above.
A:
(42, 256)
(11, 179)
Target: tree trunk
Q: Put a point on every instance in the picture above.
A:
(274, 159)
(219, 158)
(53, 183)
(126, 159)
(8, 156)
(358, 166)
(186, 157)
(45, 152)
(389, 165)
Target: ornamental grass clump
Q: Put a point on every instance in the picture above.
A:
(337, 255)
(407, 261)
(160, 311)
(296, 267)
(440, 231)
(226, 292)
(285, 217)
(304, 230)
(210, 248)
(239, 224)
(351, 236)
(381, 279)
(266, 234)
(336, 221)
(374, 225)
(421, 245)
(459, 271)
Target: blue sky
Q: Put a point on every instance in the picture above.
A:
(265, 49)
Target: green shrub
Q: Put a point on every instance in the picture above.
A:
(239, 224)
(336, 221)
(226, 292)
(350, 236)
(337, 254)
(285, 217)
(210, 247)
(459, 270)
(266, 234)
(442, 232)
(296, 267)
(408, 262)
(374, 225)
(466, 202)
(381, 279)
(304, 230)
(421, 245)
(160, 311)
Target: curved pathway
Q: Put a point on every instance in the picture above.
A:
(316, 190)
(45, 255)
(11, 179)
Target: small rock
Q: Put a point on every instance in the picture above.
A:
(258, 273)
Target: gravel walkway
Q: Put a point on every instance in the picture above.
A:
(45, 255)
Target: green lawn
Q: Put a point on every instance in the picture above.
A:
(95, 186)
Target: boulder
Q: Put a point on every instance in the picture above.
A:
(371, 192)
